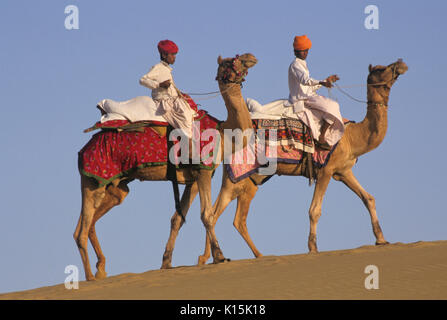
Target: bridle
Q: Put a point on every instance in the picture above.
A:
(385, 85)
(230, 69)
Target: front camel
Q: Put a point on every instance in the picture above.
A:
(358, 139)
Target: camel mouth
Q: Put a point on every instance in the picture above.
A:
(401, 67)
(248, 60)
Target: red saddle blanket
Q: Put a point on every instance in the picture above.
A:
(110, 154)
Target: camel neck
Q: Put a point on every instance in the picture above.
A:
(238, 115)
(369, 133)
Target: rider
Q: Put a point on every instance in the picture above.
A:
(176, 110)
(320, 114)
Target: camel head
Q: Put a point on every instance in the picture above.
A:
(234, 70)
(386, 75)
(382, 78)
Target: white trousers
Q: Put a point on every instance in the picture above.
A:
(318, 109)
(177, 112)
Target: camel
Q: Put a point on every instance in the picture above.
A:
(358, 139)
(97, 201)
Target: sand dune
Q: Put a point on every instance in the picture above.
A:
(406, 271)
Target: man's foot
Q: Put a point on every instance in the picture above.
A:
(321, 140)
(322, 144)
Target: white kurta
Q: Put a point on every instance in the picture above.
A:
(175, 110)
(301, 85)
(310, 107)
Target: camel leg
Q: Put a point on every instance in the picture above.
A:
(226, 195)
(188, 197)
(206, 254)
(89, 195)
(114, 196)
(207, 214)
(315, 209)
(240, 219)
(351, 182)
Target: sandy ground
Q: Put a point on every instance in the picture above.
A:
(406, 271)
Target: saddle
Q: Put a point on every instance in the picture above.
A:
(159, 128)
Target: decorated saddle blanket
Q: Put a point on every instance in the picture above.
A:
(111, 153)
(293, 139)
(289, 132)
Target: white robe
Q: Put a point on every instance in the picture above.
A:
(312, 108)
(274, 110)
(166, 104)
(172, 106)
(136, 109)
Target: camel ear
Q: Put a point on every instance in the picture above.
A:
(219, 60)
(370, 67)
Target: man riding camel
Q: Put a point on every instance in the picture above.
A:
(175, 109)
(320, 114)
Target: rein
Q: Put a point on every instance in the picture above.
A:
(240, 77)
(214, 93)
(225, 77)
(384, 83)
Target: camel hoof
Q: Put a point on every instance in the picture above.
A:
(166, 266)
(221, 260)
(313, 251)
(202, 260)
(90, 278)
(101, 274)
(382, 243)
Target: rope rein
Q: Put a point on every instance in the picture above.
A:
(348, 95)
(230, 69)
(365, 85)
(218, 93)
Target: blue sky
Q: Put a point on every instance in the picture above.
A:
(52, 79)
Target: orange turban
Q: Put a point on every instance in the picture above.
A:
(302, 43)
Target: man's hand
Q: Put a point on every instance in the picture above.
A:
(329, 80)
(332, 78)
(165, 84)
(326, 84)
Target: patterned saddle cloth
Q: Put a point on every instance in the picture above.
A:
(293, 140)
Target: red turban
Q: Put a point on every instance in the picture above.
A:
(167, 46)
(302, 43)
